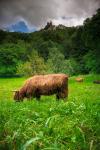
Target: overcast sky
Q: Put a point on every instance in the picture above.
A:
(38, 12)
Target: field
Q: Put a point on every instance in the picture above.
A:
(51, 124)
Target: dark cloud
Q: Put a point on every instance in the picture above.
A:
(38, 12)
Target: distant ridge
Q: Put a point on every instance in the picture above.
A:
(50, 26)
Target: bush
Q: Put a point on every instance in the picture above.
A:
(92, 62)
(24, 69)
(35, 65)
(70, 67)
(58, 64)
(10, 55)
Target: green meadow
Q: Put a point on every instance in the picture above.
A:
(49, 124)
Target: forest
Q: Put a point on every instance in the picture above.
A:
(53, 49)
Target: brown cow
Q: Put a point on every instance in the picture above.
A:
(44, 85)
(79, 79)
(96, 81)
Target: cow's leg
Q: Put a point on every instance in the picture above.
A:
(57, 97)
(37, 94)
(29, 97)
(38, 97)
(62, 95)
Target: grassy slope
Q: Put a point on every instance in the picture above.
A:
(49, 124)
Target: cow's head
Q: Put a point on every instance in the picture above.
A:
(17, 96)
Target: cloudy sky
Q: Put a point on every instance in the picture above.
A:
(35, 13)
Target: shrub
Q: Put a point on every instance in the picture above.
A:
(58, 64)
(35, 65)
(24, 69)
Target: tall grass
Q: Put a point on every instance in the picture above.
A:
(51, 124)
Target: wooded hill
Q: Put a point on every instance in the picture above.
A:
(54, 49)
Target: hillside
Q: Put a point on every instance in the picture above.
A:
(76, 47)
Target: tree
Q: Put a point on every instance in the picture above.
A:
(8, 59)
(34, 65)
(10, 55)
(55, 60)
(24, 69)
(37, 63)
(91, 36)
(92, 64)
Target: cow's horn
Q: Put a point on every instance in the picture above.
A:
(14, 90)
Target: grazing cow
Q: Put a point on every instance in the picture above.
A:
(79, 79)
(44, 85)
(96, 81)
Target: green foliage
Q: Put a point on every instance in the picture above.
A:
(56, 60)
(81, 44)
(92, 41)
(8, 59)
(51, 124)
(34, 65)
(58, 64)
(37, 63)
(71, 67)
(92, 63)
(24, 69)
(10, 55)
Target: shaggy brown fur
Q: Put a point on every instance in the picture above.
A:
(44, 85)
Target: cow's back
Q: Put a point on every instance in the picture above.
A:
(47, 84)
(51, 79)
